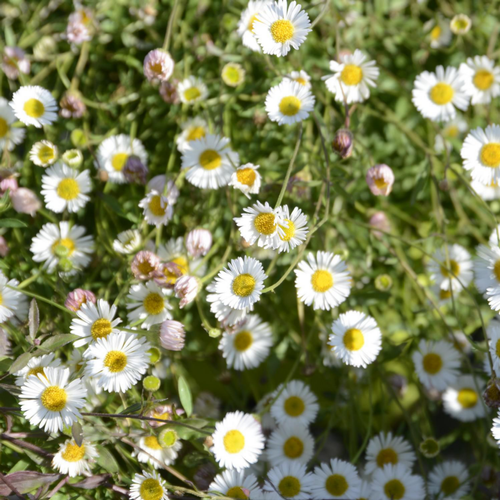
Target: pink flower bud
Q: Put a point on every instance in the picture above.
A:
(380, 221)
(186, 289)
(343, 143)
(15, 62)
(163, 412)
(168, 92)
(380, 179)
(8, 183)
(77, 297)
(198, 242)
(72, 106)
(134, 170)
(77, 33)
(144, 265)
(158, 66)
(25, 201)
(4, 248)
(172, 335)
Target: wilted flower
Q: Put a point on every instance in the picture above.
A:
(25, 201)
(380, 179)
(186, 289)
(168, 92)
(4, 248)
(77, 297)
(158, 65)
(72, 106)
(198, 242)
(15, 62)
(73, 158)
(134, 170)
(144, 265)
(343, 143)
(460, 24)
(380, 221)
(172, 335)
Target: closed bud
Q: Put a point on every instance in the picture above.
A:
(73, 158)
(343, 143)
(429, 448)
(151, 383)
(491, 394)
(383, 282)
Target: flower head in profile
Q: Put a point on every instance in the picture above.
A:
(380, 179)
(158, 65)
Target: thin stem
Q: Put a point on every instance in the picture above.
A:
(170, 25)
(39, 297)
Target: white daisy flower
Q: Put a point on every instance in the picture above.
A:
(247, 179)
(34, 105)
(280, 26)
(296, 403)
(487, 273)
(385, 449)
(94, 322)
(192, 130)
(50, 402)
(224, 314)
(439, 33)
(289, 102)
(481, 79)
(240, 284)
(323, 280)
(247, 345)
(495, 430)
(192, 90)
(238, 441)
(493, 332)
(148, 486)
(396, 482)
(356, 338)
(290, 443)
(365, 491)
(74, 460)
(300, 77)
(295, 229)
(449, 480)
(157, 208)
(43, 153)
(128, 241)
(118, 361)
(65, 188)
(481, 154)
(9, 299)
(236, 484)
(113, 153)
(149, 303)
(55, 243)
(436, 95)
(459, 262)
(494, 237)
(437, 364)
(487, 192)
(352, 77)
(9, 136)
(339, 479)
(245, 24)
(261, 224)
(451, 130)
(289, 480)
(463, 401)
(210, 162)
(36, 366)
(151, 447)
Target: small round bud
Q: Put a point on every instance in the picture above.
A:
(61, 251)
(491, 394)
(383, 282)
(155, 355)
(214, 332)
(168, 438)
(65, 265)
(151, 383)
(429, 448)
(73, 158)
(343, 143)
(209, 442)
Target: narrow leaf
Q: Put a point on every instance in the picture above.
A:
(58, 341)
(185, 396)
(106, 460)
(77, 433)
(25, 481)
(34, 319)
(20, 362)
(12, 223)
(92, 482)
(131, 409)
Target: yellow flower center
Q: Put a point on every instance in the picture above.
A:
(282, 30)
(151, 489)
(289, 231)
(293, 447)
(243, 285)
(450, 484)
(322, 281)
(156, 67)
(34, 371)
(461, 24)
(54, 398)
(192, 93)
(294, 406)
(154, 303)
(234, 441)
(45, 153)
(394, 489)
(264, 223)
(300, 80)
(454, 267)
(236, 492)
(246, 176)
(250, 23)
(210, 159)
(442, 93)
(101, 328)
(4, 128)
(232, 74)
(68, 189)
(483, 79)
(497, 348)
(432, 363)
(435, 33)
(157, 207)
(354, 339)
(115, 361)
(467, 397)
(196, 133)
(118, 161)
(444, 294)
(34, 108)
(63, 247)
(351, 74)
(152, 442)
(243, 340)
(336, 485)
(73, 452)
(387, 456)
(145, 267)
(451, 131)
(380, 183)
(290, 106)
(289, 486)
(490, 155)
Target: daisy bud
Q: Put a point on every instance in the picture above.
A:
(209, 442)
(73, 158)
(154, 355)
(491, 394)
(151, 383)
(198, 242)
(9, 183)
(15, 62)
(158, 66)
(168, 92)
(25, 201)
(186, 289)
(460, 24)
(72, 106)
(343, 143)
(135, 171)
(379, 221)
(383, 282)
(380, 179)
(233, 74)
(144, 265)
(172, 335)
(4, 248)
(430, 448)
(77, 297)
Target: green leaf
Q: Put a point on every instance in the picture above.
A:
(25, 481)
(185, 432)
(20, 362)
(12, 223)
(58, 341)
(77, 433)
(34, 319)
(131, 409)
(185, 396)
(106, 460)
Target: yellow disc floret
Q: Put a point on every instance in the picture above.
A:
(322, 281)
(54, 398)
(490, 155)
(73, 452)
(442, 93)
(244, 285)
(243, 341)
(234, 441)
(34, 108)
(154, 303)
(432, 363)
(210, 159)
(68, 189)
(351, 75)
(101, 328)
(282, 30)
(115, 361)
(290, 105)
